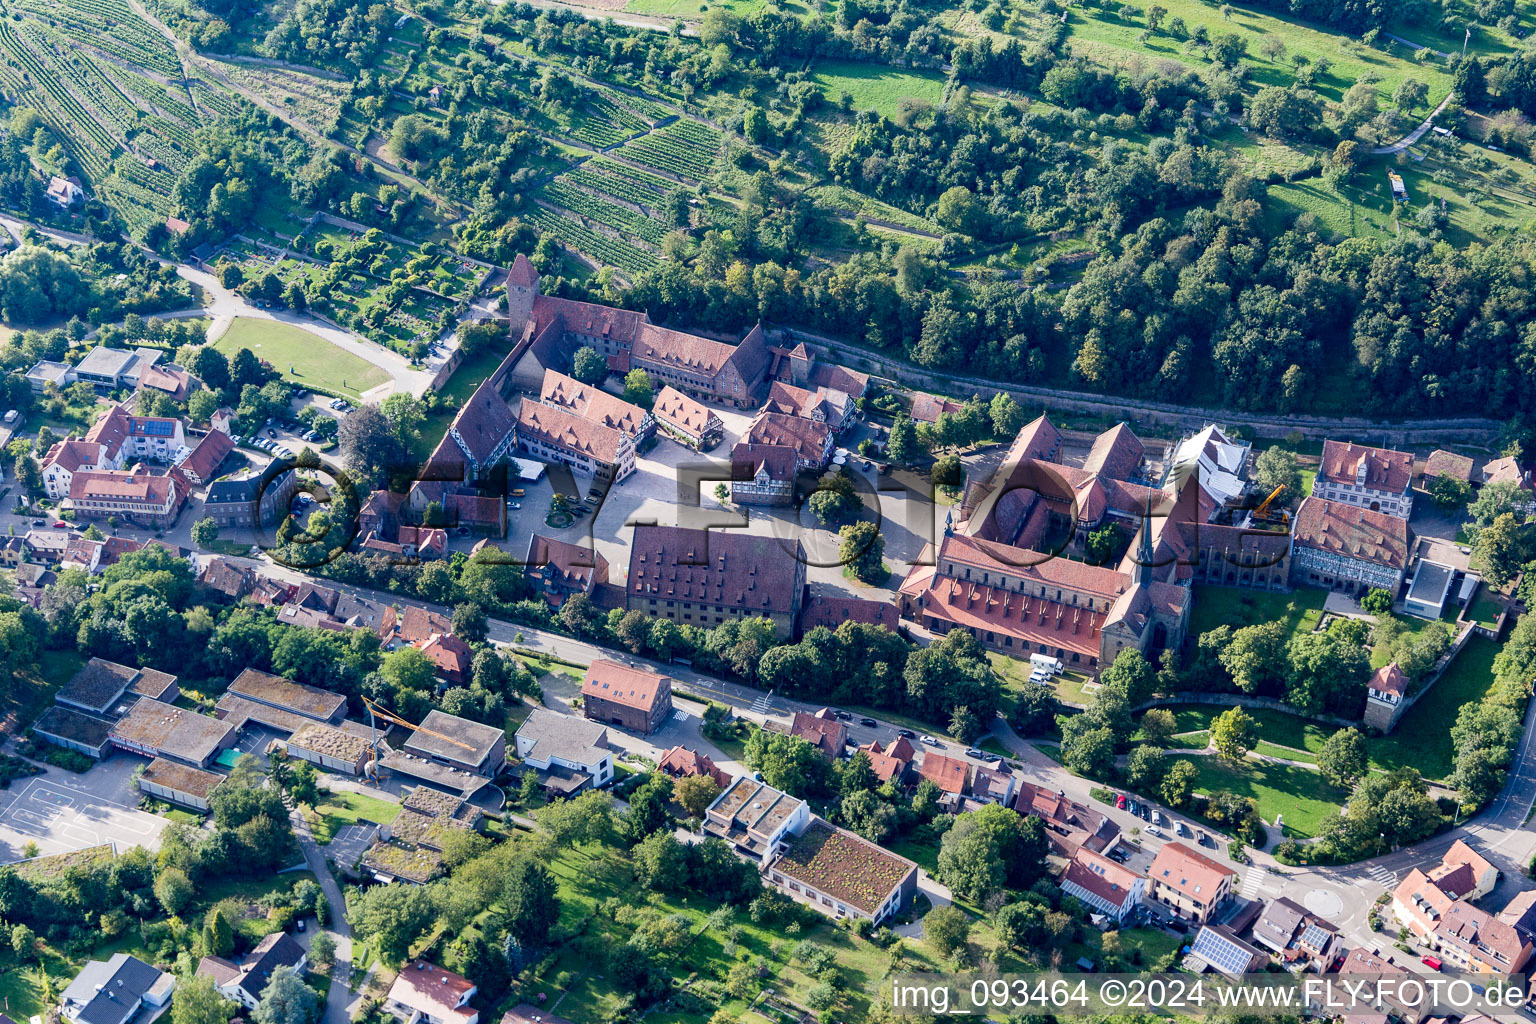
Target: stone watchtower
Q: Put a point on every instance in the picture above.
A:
(522, 288)
(1386, 697)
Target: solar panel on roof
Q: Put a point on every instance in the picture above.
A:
(1219, 951)
(1314, 936)
(155, 428)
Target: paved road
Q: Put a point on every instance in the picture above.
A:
(1415, 135)
(339, 998)
(1345, 894)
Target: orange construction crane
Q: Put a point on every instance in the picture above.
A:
(375, 709)
(1259, 513)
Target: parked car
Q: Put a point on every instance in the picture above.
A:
(842, 716)
(59, 524)
(1153, 830)
(868, 723)
(973, 752)
(1133, 807)
(1120, 801)
(300, 924)
(928, 741)
(515, 504)
(1434, 963)
(991, 758)
(39, 522)
(517, 492)
(271, 433)
(1181, 828)
(908, 733)
(1206, 840)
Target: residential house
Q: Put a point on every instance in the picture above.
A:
(113, 991)
(629, 698)
(1508, 471)
(225, 580)
(837, 409)
(424, 993)
(991, 784)
(928, 408)
(822, 731)
(68, 457)
(1375, 965)
(1348, 548)
(890, 763)
(413, 624)
(1069, 825)
(64, 192)
(757, 820)
(1298, 937)
(1471, 939)
(705, 577)
(1376, 479)
(451, 657)
(1220, 949)
(951, 774)
(1424, 898)
(569, 753)
(167, 379)
(681, 761)
(246, 982)
(1107, 887)
(559, 568)
(1188, 882)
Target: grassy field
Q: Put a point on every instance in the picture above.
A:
(1300, 794)
(1422, 738)
(1107, 37)
(875, 87)
(1276, 727)
(470, 374)
(692, 10)
(337, 810)
(1218, 606)
(302, 357)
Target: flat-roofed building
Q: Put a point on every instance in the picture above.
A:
(156, 729)
(178, 783)
(275, 691)
(100, 685)
(756, 819)
(842, 874)
(322, 745)
(460, 743)
(74, 730)
(629, 698)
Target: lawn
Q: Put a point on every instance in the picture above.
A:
(301, 356)
(1276, 727)
(1484, 609)
(1302, 795)
(339, 809)
(1106, 36)
(469, 376)
(1224, 606)
(1422, 738)
(876, 87)
(587, 875)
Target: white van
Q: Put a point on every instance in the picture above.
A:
(1047, 663)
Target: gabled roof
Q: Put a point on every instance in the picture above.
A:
(1117, 453)
(209, 454)
(591, 403)
(1385, 469)
(1443, 463)
(717, 567)
(562, 428)
(1111, 882)
(433, 990)
(1188, 871)
(1352, 532)
(748, 460)
(631, 687)
(73, 455)
(948, 773)
(484, 422)
(677, 409)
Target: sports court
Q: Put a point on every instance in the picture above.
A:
(60, 818)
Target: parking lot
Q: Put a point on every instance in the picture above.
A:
(60, 816)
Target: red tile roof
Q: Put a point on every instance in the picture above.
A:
(1117, 454)
(948, 773)
(677, 409)
(592, 403)
(432, 989)
(451, 655)
(1352, 532)
(747, 460)
(679, 761)
(522, 273)
(418, 624)
(209, 454)
(1385, 469)
(810, 439)
(562, 428)
(631, 687)
(1188, 871)
(571, 562)
(1443, 463)
(73, 455)
(927, 408)
(474, 510)
(718, 567)
(830, 611)
(821, 730)
(484, 422)
(136, 486)
(1389, 679)
(1113, 883)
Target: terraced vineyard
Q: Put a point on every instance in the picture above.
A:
(684, 148)
(604, 123)
(112, 86)
(592, 207)
(613, 251)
